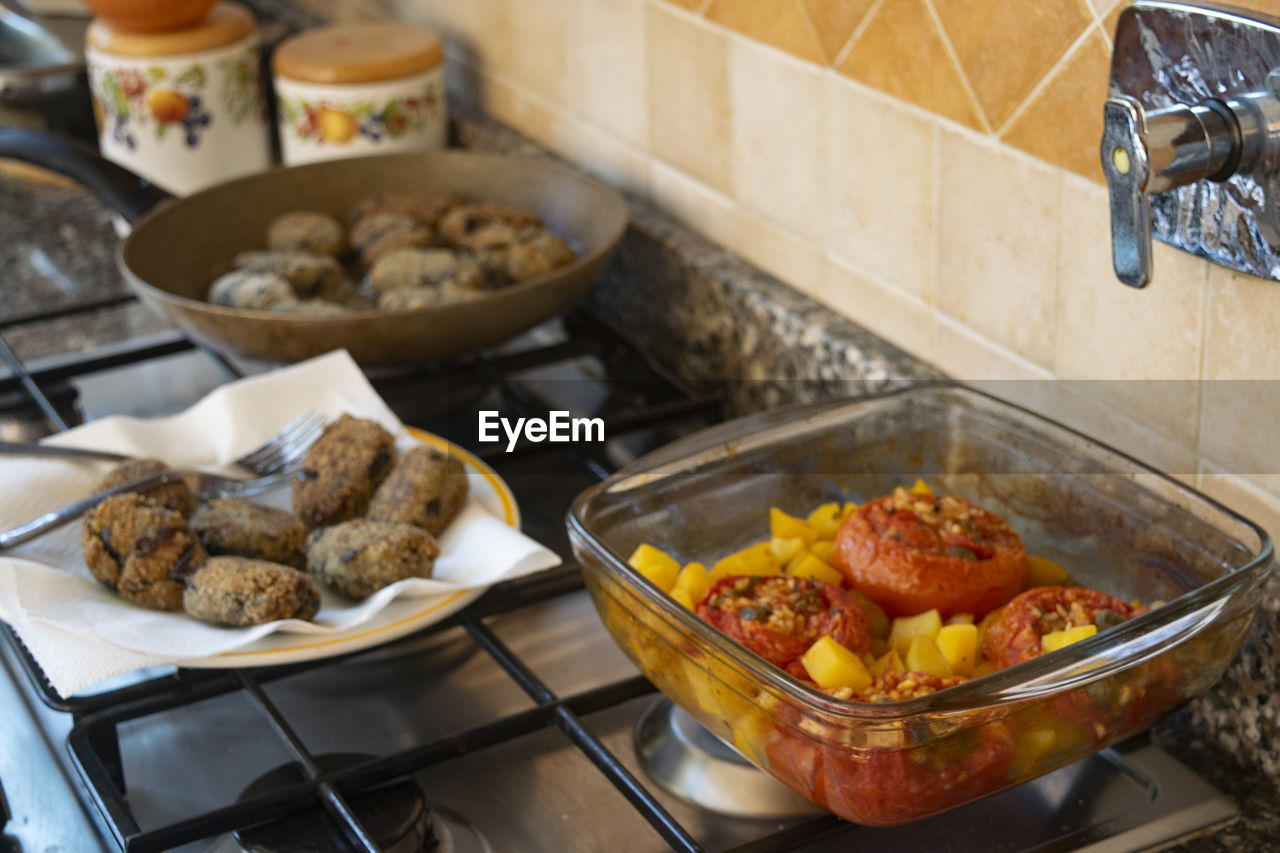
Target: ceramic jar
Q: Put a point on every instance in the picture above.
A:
(357, 89)
(183, 108)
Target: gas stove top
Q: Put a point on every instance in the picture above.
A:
(516, 725)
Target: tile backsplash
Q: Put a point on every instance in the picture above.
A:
(927, 167)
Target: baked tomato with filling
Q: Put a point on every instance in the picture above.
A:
(911, 552)
(892, 784)
(779, 616)
(1015, 636)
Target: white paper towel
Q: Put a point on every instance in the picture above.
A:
(81, 632)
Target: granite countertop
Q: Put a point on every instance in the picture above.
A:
(749, 336)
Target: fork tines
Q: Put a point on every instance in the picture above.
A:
(288, 447)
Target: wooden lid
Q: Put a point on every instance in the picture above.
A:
(226, 23)
(358, 53)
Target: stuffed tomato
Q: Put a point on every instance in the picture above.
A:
(780, 616)
(911, 552)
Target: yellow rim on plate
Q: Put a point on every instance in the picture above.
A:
(510, 514)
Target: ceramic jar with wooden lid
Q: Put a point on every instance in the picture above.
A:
(183, 108)
(360, 88)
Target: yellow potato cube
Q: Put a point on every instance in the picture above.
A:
(961, 619)
(784, 526)
(656, 565)
(809, 566)
(822, 550)
(875, 614)
(1055, 640)
(1042, 571)
(831, 665)
(921, 488)
(682, 598)
(890, 661)
(959, 645)
(987, 622)
(847, 510)
(757, 559)
(694, 580)
(985, 667)
(825, 520)
(923, 656)
(906, 628)
(785, 549)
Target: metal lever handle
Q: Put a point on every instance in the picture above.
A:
(1125, 163)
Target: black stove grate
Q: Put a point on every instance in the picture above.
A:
(93, 742)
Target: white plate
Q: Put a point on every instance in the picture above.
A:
(402, 616)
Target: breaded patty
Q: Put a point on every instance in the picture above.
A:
(236, 527)
(537, 255)
(311, 308)
(424, 268)
(358, 558)
(306, 231)
(341, 471)
(412, 298)
(310, 275)
(175, 496)
(426, 488)
(379, 234)
(476, 225)
(140, 549)
(254, 291)
(426, 207)
(237, 591)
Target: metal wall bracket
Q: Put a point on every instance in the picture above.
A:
(1191, 143)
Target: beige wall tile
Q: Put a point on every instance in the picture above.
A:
(527, 113)
(901, 52)
(601, 154)
(712, 214)
(880, 174)
(692, 5)
(777, 23)
(609, 81)
(1256, 499)
(783, 254)
(1144, 345)
(779, 137)
(542, 38)
(688, 83)
(997, 244)
(479, 30)
(1077, 89)
(886, 311)
(1006, 46)
(834, 21)
(968, 355)
(1241, 393)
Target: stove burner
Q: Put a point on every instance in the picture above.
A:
(395, 815)
(689, 761)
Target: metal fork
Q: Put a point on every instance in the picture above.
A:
(301, 431)
(275, 462)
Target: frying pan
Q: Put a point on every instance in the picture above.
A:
(178, 246)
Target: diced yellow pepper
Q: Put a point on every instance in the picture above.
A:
(875, 614)
(906, 628)
(822, 550)
(1055, 640)
(757, 559)
(825, 520)
(785, 549)
(809, 566)
(847, 510)
(785, 526)
(656, 565)
(831, 665)
(921, 488)
(959, 645)
(694, 580)
(923, 656)
(1042, 571)
(985, 667)
(890, 661)
(961, 619)
(682, 598)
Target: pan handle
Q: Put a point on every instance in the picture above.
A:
(118, 188)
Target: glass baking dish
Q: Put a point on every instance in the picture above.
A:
(1113, 523)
